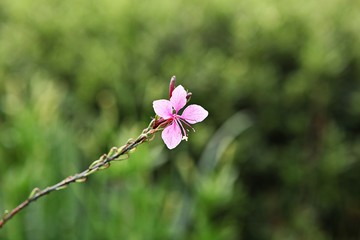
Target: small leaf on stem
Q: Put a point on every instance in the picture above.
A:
(132, 150)
(61, 187)
(122, 157)
(113, 151)
(34, 192)
(94, 163)
(105, 166)
(80, 180)
(6, 212)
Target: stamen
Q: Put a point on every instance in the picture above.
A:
(183, 132)
(187, 124)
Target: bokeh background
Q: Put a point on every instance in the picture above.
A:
(277, 158)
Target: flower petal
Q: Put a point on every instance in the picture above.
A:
(163, 108)
(178, 98)
(172, 135)
(194, 113)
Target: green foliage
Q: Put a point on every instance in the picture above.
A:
(78, 77)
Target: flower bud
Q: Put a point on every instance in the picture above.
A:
(172, 85)
(188, 96)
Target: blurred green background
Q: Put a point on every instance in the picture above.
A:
(277, 158)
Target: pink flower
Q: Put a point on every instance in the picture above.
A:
(169, 111)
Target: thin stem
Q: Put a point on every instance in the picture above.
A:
(102, 163)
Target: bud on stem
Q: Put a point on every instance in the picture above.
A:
(172, 85)
(188, 96)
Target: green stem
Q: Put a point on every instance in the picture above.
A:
(102, 163)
